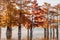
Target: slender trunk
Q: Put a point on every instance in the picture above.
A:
(47, 33)
(53, 33)
(50, 33)
(0, 33)
(57, 32)
(19, 32)
(31, 33)
(28, 35)
(44, 32)
(9, 33)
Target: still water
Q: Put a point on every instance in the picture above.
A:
(38, 34)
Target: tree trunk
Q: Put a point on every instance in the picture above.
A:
(31, 33)
(44, 32)
(50, 33)
(57, 33)
(53, 33)
(19, 32)
(47, 33)
(28, 35)
(0, 33)
(9, 33)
